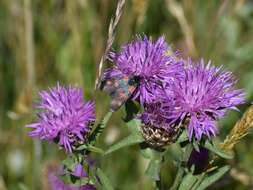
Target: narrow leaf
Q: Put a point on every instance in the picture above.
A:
(183, 137)
(212, 147)
(100, 127)
(213, 177)
(91, 148)
(151, 153)
(134, 125)
(127, 141)
(69, 163)
(188, 181)
(103, 179)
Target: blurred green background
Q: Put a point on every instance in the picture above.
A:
(45, 41)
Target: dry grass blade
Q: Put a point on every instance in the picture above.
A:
(177, 11)
(111, 36)
(240, 129)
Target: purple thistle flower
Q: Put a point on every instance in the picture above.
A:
(200, 97)
(65, 117)
(153, 62)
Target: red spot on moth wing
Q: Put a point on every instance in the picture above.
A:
(116, 84)
(108, 82)
(131, 89)
(125, 78)
(122, 95)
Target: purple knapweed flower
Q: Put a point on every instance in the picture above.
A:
(153, 63)
(57, 184)
(202, 96)
(64, 116)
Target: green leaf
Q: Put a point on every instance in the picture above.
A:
(151, 153)
(183, 137)
(99, 128)
(69, 163)
(103, 179)
(127, 141)
(174, 151)
(213, 177)
(153, 169)
(217, 150)
(147, 153)
(90, 148)
(179, 180)
(134, 138)
(134, 125)
(188, 181)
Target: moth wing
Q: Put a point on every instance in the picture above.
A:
(118, 98)
(119, 89)
(110, 85)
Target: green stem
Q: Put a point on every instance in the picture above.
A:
(181, 169)
(100, 127)
(154, 169)
(158, 183)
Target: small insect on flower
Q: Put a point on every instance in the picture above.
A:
(120, 89)
(65, 117)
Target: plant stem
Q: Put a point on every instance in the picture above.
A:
(158, 183)
(154, 169)
(100, 127)
(180, 173)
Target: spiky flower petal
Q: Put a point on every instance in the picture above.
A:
(202, 96)
(153, 62)
(64, 116)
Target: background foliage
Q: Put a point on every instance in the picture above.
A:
(42, 42)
